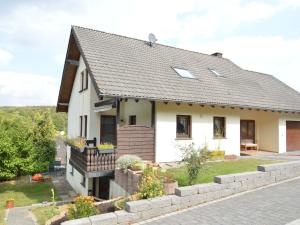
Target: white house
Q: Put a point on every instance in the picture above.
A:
(147, 98)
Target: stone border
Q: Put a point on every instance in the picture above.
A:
(189, 196)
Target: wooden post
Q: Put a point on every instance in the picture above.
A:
(117, 118)
(152, 114)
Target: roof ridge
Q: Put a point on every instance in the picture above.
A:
(164, 45)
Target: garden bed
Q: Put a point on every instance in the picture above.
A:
(213, 169)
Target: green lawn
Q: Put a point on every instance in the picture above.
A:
(23, 193)
(43, 214)
(213, 169)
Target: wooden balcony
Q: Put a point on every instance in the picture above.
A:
(93, 162)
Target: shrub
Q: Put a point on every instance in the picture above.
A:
(83, 207)
(195, 159)
(151, 184)
(127, 161)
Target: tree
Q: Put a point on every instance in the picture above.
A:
(44, 142)
(194, 159)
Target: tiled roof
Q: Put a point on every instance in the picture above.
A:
(128, 67)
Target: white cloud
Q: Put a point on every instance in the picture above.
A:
(5, 56)
(272, 55)
(21, 89)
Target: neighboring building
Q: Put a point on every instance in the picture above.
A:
(148, 99)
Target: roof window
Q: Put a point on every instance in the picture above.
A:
(215, 72)
(184, 73)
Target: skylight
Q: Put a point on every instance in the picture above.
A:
(215, 72)
(184, 73)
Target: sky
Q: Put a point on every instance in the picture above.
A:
(262, 35)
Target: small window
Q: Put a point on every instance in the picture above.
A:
(80, 125)
(219, 127)
(183, 126)
(83, 181)
(132, 120)
(215, 72)
(184, 73)
(85, 126)
(84, 80)
(72, 171)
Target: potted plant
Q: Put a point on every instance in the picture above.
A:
(10, 203)
(106, 147)
(77, 143)
(169, 183)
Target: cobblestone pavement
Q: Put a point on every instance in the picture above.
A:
(274, 205)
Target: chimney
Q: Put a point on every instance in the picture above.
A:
(217, 54)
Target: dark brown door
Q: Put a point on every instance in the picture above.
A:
(292, 135)
(104, 187)
(248, 130)
(108, 130)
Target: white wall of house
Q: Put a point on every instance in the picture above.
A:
(79, 104)
(269, 129)
(141, 109)
(75, 179)
(202, 130)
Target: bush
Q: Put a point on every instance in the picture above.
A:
(127, 161)
(195, 159)
(83, 207)
(151, 184)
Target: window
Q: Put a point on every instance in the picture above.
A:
(80, 125)
(132, 120)
(184, 73)
(72, 171)
(219, 127)
(83, 181)
(85, 126)
(215, 72)
(84, 80)
(183, 126)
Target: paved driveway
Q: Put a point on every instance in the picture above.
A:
(274, 205)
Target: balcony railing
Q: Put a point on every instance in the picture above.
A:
(93, 160)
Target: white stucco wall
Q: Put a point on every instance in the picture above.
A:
(79, 104)
(142, 110)
(269, 129)
(75, 179)
(202, 130)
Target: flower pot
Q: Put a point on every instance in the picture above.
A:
(10, 204)
(169, 187)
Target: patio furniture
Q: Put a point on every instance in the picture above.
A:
(248, 143)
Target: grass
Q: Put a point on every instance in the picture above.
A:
(43, 214)
(24, 194)
(213, 169)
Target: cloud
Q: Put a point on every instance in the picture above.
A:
(20, 89)
(5, 56)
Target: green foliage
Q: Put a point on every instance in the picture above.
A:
(127, 161)
(27, 141)
(151, 184)
(83, 207)
(213, 169)
(195, 159)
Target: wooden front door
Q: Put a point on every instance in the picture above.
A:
(248, 130)
(292, 135)
(108, 130)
